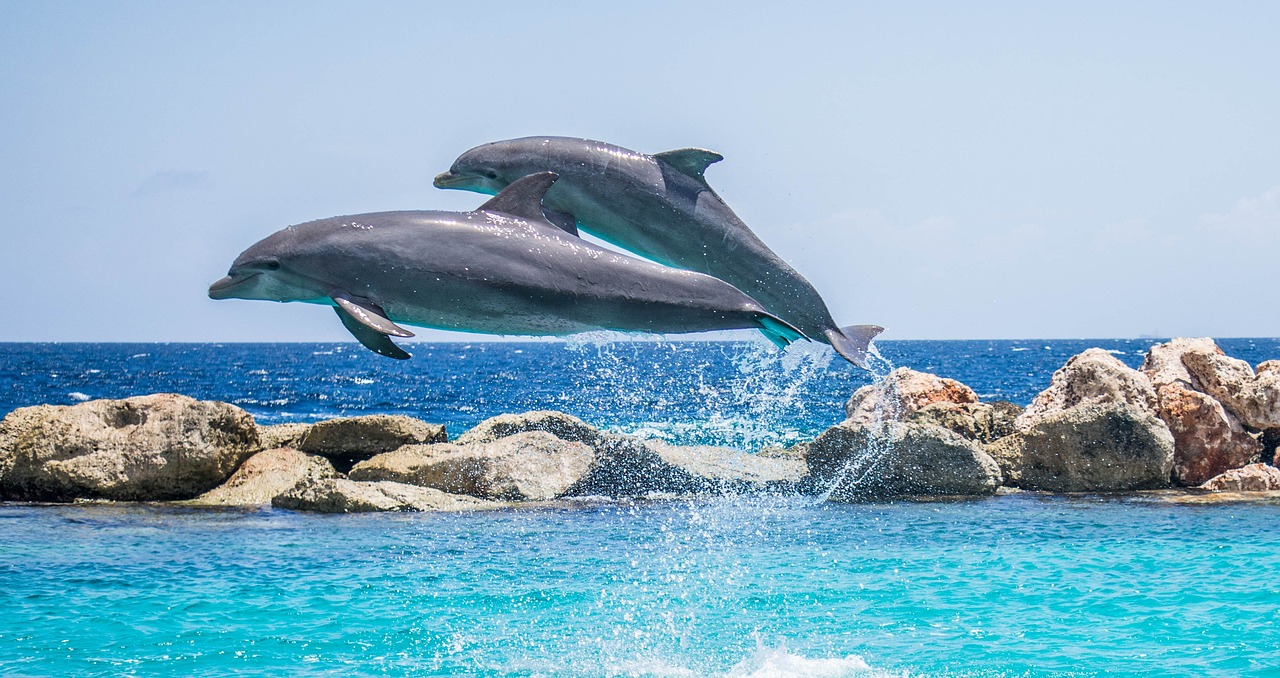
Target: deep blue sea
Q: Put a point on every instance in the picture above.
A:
(1020, 585)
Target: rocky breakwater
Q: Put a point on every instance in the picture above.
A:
(1190, 417)
(912, 434)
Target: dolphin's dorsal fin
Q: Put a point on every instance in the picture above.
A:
(523, 198)
(691, 161)
(369, 315)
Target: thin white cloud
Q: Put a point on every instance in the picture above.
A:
(1258, 216)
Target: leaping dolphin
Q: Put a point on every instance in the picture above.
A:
(660, 207)
(501, 269)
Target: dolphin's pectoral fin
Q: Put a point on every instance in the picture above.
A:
(368, 314)
(854, 342)
(691, 161)
(374, 341)
(778, 330)
(562, 220)
(523, 198)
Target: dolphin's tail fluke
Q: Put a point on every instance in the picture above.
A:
(853, 342)
(778, 330)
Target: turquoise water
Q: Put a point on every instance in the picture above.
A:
(1008, 586)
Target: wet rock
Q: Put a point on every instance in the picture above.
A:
(1251, 478)
(895, 459)
(1088, 448)
(629, 467)
(530, 465)
(561, 425)
(1207, 440)
(350, 440)
(981, 422)
(901, 393)
(282, 435)
(1094, 377)
(339, 495)
(266, 475)
(155, 447)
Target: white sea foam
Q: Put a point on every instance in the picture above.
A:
(769, 662)
(78, 396)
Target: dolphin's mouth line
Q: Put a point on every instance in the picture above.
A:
(221, 288)
(448, 179)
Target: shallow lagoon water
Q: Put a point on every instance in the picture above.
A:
(1008, 586)
(741, 586)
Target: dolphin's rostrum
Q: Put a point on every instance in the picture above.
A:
(660, 207)
(501, 269)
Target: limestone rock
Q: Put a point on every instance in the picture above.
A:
(349, 440)
(1163, 363)
(1207, 440)
(1254, 399)
(630, 467)
(282, 435)
(1268, 367)
(1251, 478)
(903, 392)
(1089, 448)
(895, 459)
(561, 425)
(981, 422)
(1092, 377)
(154, 447)
(339, 495)
(266, 475)
(531, 465)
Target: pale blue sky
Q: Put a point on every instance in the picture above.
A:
(1002, 170)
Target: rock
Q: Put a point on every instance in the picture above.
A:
(1271, 446)
(1093, 377)
(352, 439)
(339, 495)
(1253, 399)
(629, 467)
(282, 435)
(266, 475)
(1163, 362)
(1207, 440)
(1089, 448)
(1251, 478)
(155, 447)
(531, 465)
(561, 425)
(901, 393)
(981, 422)
(895, 459)
(1268, 367)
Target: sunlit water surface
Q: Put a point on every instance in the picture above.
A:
(741, 586)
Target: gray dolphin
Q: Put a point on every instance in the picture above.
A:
(660, 207)
(502, 269)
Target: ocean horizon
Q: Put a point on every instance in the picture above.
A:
(1022, 584)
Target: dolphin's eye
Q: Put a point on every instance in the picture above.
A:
(271, 265)
(489, 174)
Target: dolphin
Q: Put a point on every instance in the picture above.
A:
(501, 269)
(660, 207)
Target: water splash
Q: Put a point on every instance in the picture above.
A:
(767, 402)
(860, 468)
